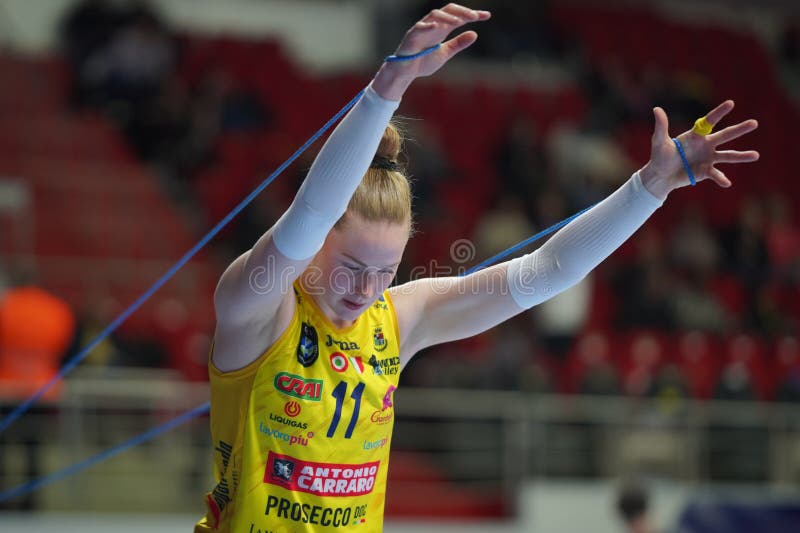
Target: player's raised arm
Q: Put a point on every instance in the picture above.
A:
(435, 311)
(259, 282)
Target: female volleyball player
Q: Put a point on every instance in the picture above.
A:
(310, 341)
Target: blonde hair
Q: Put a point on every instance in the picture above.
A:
(383, 195)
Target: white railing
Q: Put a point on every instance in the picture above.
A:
(475, 438)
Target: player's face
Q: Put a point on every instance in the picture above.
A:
(357, 263)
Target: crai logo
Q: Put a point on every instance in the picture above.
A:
(298, 386)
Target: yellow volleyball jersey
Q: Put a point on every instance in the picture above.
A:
(301, 436)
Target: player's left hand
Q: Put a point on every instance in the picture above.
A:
(665, 171)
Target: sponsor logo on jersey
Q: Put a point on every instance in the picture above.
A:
(381, 417)
(288, 421)
(220, 496)
(388, 366)
(381, 304)
(341, 345)
(307, 346)
(305, 513)
(322, 479)
(358, 364)
(339, 361)
(299, 387)
(387, 398)
(378, 340)
(375, 444)
(292, 408)
(277, 434)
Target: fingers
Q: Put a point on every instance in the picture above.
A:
(453, 15)
(465, 13)
(716, 114)
(459, 43)
(443, 17)
(734, 156)
(733, 132)
(661, 129)
(719, 177)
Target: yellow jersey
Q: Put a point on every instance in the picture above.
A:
(301, 435)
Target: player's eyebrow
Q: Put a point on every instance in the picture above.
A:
(362, 264)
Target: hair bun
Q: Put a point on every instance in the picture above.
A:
(391, 143)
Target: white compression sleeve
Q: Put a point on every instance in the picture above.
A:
(334, 176)
(568, 256)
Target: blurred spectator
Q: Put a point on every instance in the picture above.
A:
(645, 286)
(645, 357)
(670, 391)
(693, 247)
(521, 161)
(502, 226)
(85, 30)
(593, 371)
(561, 318)
(36, 329)
(782, 239)
(788, 370)
(735, 383)
(428, 164)
(696, 308)
(129, 69)
(745, 247)
(633, 508)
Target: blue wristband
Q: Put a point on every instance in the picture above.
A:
(685, 162)
(395, 58)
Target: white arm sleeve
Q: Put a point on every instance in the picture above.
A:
(581, 245)
(333, 178)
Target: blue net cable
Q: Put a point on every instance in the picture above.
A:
(200, 410)
(72, 363)
(152, 433)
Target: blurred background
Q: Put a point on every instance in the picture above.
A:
(659, 394)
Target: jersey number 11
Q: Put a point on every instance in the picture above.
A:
(339, 393)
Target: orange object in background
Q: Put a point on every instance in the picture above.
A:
(36, 329)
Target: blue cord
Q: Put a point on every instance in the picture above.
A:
(23, 407)
(397, 58)
(144, 437)
(154, 432)
(35, 484)
(679, 146)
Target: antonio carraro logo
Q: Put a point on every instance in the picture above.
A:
(307, 346)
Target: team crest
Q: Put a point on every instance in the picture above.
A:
(378, 339)
(307, 347)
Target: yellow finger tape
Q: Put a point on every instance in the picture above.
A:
(702, 126)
